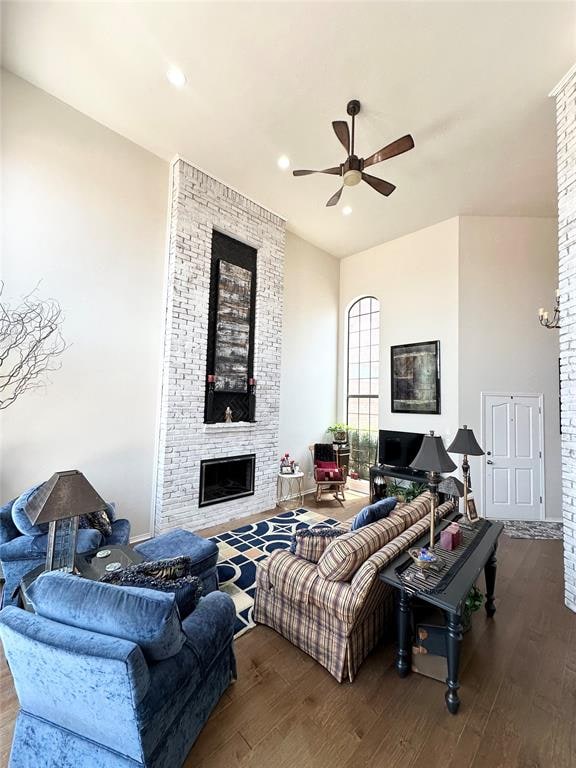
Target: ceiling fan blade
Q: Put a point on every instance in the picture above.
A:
(335, 197)
(384, 187)
(390, 150)
(334, 171)
(343, 134)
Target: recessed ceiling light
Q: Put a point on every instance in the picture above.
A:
(176, 77)
(283, 162)
(346, 211)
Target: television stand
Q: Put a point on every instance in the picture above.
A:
(382, 471)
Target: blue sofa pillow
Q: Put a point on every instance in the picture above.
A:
(374, 512)
(21, 519)
(144, 616)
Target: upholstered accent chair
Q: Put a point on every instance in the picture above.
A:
(328, 476)
(111, 676)
(337, 610)
(23, 545)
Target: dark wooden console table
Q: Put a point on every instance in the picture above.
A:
(450, 597)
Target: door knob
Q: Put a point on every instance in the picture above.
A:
(489, 462)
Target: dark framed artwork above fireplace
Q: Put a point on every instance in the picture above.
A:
(230, 383)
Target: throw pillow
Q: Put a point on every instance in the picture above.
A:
(373, 512)
(171, 575)
(310, 543)
(346, 554)
(100, 521)
(328, 470)
(144, 616)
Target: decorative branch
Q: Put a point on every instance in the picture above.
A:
(30, 343)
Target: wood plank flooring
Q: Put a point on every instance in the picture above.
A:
(518, 692)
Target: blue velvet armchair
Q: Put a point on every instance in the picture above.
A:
(98, 698)
(23, 545)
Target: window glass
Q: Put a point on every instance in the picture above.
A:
(362, 383)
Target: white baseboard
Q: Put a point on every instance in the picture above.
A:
(140, 537)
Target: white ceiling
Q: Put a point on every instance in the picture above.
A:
(469, 80)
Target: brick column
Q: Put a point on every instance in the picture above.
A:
(200, 204)
(565, 94)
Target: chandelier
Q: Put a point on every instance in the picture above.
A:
(544, 317)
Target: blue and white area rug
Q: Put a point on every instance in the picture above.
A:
(243, 547)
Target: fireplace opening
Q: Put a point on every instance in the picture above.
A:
(227, 478)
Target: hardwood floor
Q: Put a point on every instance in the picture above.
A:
(518, 676)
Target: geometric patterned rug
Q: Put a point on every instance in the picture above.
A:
(527, 529)
(242, 548)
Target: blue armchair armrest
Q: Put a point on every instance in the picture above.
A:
(210, 628)
(120, 533)
(34, 547)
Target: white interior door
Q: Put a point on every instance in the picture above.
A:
(513, 462)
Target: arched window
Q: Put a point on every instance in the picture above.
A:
(363, 383)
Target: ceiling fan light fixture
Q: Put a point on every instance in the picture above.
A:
(351, 178)
(283, 162)
(176, 77)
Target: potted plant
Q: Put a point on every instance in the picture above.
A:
(339, 432)
(473, 603)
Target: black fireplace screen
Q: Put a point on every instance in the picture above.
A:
(226, 479)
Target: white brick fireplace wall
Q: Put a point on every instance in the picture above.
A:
(566, 130)
(199, 204)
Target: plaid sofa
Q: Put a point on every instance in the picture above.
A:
(337, 610)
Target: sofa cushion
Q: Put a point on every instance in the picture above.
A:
(346, 554)
(414, 510)
(310, 543)
(19, 509)
(373, 512)
(146, 617)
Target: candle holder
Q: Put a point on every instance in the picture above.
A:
(251, 399)
(544, 316)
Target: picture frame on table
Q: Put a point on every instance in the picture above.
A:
(471, 511)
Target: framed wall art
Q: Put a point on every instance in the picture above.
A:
(415, 377)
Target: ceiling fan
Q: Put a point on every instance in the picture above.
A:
(352, 170)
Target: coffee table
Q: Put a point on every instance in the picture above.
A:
(91, 565)
(448, 592)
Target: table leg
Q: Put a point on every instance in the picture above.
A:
(454, 640)
(490, 576)
(403, 659)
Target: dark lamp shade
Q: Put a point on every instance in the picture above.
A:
(465, 443)
(432, 456)
(66, 494)
(451, 486)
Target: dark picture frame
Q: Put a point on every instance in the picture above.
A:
(415, 377)
(471, 512)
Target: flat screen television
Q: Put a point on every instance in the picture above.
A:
(398, 449)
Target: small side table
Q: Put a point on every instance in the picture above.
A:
(88, 565)
(290, 489)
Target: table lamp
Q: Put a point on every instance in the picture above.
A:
(466, 444)
(60, 502)
(433, 459)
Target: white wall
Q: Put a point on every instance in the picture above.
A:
(309, 349)
(416, 280)
(508, 268)
(84, 212)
